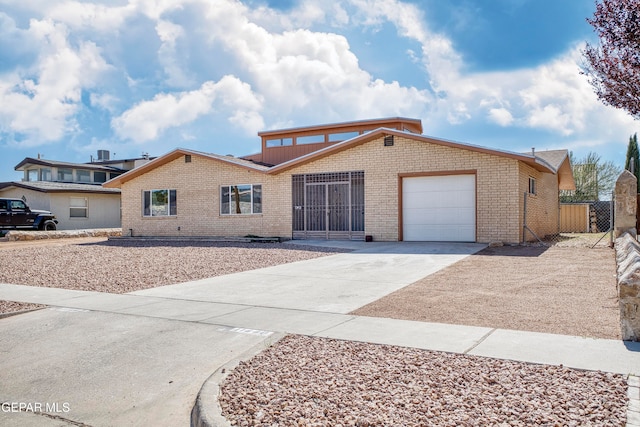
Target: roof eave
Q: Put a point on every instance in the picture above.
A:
(415, 122)
(98, 189)
(532, 161)
(170, 156)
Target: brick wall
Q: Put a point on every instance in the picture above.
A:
(500, 184)
(543, 208)
(496, 183)
(197, 186)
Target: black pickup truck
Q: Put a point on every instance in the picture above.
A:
(14, 213)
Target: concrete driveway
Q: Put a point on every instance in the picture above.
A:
(334, 284)
(139, 359)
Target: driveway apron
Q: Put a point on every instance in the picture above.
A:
(338, 283)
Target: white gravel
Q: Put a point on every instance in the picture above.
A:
(308, 381)
(121, 266)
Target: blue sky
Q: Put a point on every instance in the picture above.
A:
(147, 76)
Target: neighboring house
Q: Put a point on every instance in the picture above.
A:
(378, 178)
(72, 191)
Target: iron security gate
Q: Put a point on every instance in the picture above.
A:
(328, 206)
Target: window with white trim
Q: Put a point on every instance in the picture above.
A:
(242, 199)
(159, 203)
(532, 186)
(78, 207)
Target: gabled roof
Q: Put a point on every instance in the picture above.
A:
(533, 161)
(555, 162)
(59, 187)
(179, 152)
(559, 160)
(56, 163)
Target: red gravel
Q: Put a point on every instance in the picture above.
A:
(306, 381)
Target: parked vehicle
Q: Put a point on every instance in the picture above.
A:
(14, 213)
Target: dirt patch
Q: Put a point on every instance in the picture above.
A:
(560, 290)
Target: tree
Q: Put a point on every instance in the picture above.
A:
(613, 67)
(594, 178)
(633, 153)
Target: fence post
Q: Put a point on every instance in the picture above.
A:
(626, 204)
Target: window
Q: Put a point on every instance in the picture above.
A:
(532, 186)
(65, 175)
(18, 205)
(334, 137)
(32, 175)
(159, 203)
(83, 176)
(240, 199)
(78, 207)
(114, 174)
(45, 174)
(279, 142)
(311, 139)
(99, 177)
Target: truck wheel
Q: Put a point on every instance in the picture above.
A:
(49, 226)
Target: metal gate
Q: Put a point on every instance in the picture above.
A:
(328, 206)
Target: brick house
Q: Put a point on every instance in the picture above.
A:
(378, 178)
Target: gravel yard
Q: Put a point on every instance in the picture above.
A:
(309, 381)
(121, 266)
(558, 290)
(314, 381)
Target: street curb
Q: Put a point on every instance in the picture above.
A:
(16, 313)
(206, 411)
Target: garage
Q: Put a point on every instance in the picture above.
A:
(439, 208)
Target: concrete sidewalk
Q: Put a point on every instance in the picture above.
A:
(577, 352)
(123, 359)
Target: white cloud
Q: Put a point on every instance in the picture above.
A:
(553, 97)
(83, 15)
(279, 69)
(307, 73)
(500, 116)
(40, 103)
(103, 100)
(169, 33)
(148, 119)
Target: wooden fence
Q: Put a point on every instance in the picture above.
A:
(574, 218)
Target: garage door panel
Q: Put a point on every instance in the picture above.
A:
(439, 233)
(439, 208)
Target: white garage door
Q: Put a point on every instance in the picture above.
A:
(439, 208)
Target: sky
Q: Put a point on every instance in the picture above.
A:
(149, 76)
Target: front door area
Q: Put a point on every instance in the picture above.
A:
(328, 206)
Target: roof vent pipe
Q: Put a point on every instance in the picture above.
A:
(533, 151)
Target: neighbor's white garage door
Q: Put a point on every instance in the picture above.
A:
(439, 208)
